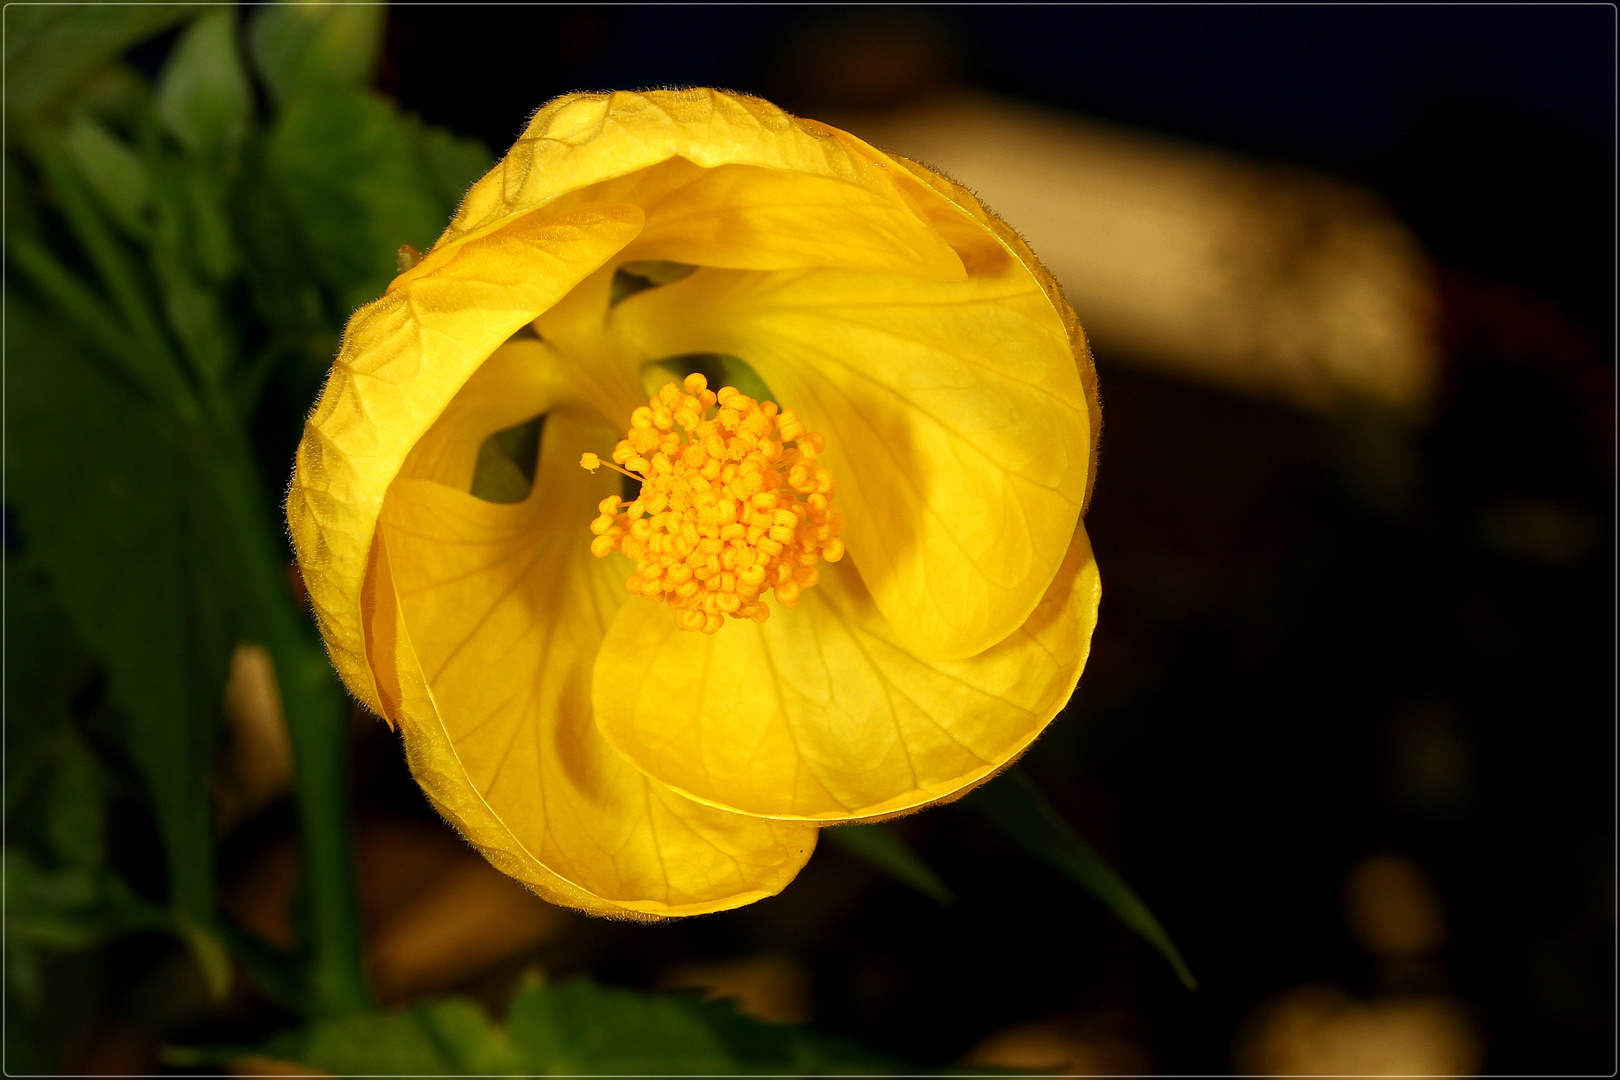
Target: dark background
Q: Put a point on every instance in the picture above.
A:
(1320, 638)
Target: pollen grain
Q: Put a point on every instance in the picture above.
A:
(734, 506)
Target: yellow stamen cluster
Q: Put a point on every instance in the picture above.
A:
(728, 511)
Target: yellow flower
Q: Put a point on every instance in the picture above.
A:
(924, 372)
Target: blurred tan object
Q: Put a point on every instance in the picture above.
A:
(1321, 1031)
(255, 764)
(772, 986)
(467, 919)
(1267, 279)
(1061, 1046)
(1545, 531)
(1392, 907)
(435, 913)
(259, 894)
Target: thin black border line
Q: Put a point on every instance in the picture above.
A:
(5, 578)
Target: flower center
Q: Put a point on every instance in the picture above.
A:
(728, 511)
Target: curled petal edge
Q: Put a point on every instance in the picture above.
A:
(408, 702)
(403, 359)
(635, 715)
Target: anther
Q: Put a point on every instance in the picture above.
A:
(734, 507)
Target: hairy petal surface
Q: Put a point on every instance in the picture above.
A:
(403, 359)
(493, 619)
(820, 714)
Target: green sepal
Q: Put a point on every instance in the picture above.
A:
(882, 847)
(1015, 805)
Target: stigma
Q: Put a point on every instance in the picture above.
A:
(734, 507)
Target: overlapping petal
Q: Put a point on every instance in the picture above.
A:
(956, 425)
(748, 217)
(582, 140)
(494, 615)
(404, 357)
(821, 714)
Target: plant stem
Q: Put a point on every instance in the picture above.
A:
(317, 710)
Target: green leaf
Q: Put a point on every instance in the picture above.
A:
(56, 997)
(1016, 806)
(71, 909)
(193, 217)
(47, 668)
(212, 250)
(74, 803)
(196, 315)
(59, 894)
(348, 165)
(882, 847)
(116, 96)
(21, 208)
(305, 46)
(146, 353)
(574, 1028)
(175, 208)
(279, 267)
(430, 1038)
(113, 171)
(280, 973)
(81, 308)
(51, 48)
(110, 506)
(204, 99)
(581, 1027)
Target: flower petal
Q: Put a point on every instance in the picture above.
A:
(485, 621)
(403, 359)
(949, 210)
(958, 428)
(747, 217)
(821, 714)
(521, 380)
(748, 176)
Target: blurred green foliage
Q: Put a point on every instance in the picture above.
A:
(60, 892)
(51, 49)
(575, 1028)
(173, 253)
(361, 180)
